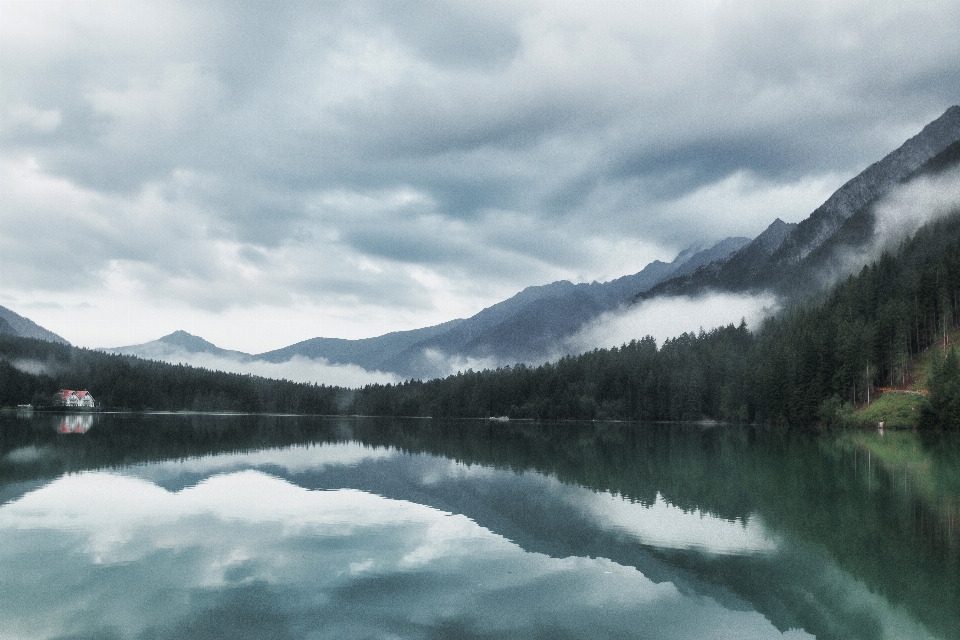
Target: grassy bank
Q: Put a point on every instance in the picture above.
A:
(902, 409)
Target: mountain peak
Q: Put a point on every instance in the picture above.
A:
(188, 341)
(774, 235)
(173, 347)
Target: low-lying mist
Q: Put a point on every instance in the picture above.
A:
(34, 367)
(297, 369)
(898, 216)
(444, 364)
(661, 318)
(910, 206)
(669, 317)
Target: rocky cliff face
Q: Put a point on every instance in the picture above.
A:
(869, 185)
(745, 265)
(792, 258)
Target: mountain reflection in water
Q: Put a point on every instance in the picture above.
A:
(215, 526)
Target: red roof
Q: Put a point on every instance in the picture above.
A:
(66, 393)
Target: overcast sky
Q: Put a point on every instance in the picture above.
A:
(260, 173)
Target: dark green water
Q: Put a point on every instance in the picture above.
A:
(122, 526)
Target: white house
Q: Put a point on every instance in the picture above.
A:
(71, 398)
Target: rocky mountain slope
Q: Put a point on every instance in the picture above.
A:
(798, 260)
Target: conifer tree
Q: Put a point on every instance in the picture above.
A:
(944, 407)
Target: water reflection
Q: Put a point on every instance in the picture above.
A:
(75, 423)
(354, 528)
(344, 562)
(667, 526)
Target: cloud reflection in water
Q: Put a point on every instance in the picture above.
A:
(101, 554)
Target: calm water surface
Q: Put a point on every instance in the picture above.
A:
(162, 526)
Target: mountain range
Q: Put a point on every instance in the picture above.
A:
(524, 328)
(791, 260)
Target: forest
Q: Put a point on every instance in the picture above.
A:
(31, 371)
(809, 365)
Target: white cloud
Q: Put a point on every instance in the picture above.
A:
(899, 215)
(390, 169)
(667, 526)
(445, 364)
(744, 204)
(45, 121)
(668, 317)
(903, 211)
(296, 369)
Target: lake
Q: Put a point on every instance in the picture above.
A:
(211, 526)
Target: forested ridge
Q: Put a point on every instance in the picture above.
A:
(31, 371)
(809, 364)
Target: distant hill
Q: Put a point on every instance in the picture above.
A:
(15, 324)
(176, 344)
(121, 382)
(526, 327)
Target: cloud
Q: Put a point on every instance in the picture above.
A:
(897, 217)
(34, 119)
(33, 367)
(668, 317)
(662, 317)
(252, 547)
(907, 208)
(221, 155)
(296, 369)
(441, 365)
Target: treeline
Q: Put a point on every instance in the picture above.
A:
(32, 371)
(689, 377)
(799, 368)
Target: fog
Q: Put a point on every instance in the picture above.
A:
(669, 317)
(297, 369)
(899, 215)
(661, 318)
(907, 208)
(445, 364)
(33, 367)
